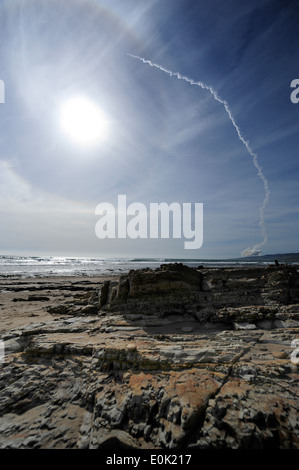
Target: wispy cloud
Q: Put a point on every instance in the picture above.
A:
(37, 220)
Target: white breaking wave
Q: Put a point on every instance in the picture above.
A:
(256, 249)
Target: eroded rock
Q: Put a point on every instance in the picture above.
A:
(171, 358)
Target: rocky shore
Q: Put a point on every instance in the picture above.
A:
(170, 358)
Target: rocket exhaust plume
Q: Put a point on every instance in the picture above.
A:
(256, 249)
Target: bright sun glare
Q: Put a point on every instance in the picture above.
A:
(83, 121)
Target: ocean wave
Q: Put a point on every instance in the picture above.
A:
(40, 266)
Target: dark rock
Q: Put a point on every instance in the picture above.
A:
(161, 365)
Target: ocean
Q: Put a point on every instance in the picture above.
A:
(38, 266)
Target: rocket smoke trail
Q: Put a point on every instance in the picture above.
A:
(256, 249)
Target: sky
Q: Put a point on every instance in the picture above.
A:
(195, 99)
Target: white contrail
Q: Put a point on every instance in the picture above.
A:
(256, 249)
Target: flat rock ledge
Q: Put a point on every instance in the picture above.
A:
(170, 358)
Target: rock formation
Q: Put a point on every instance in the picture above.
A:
(168, 358)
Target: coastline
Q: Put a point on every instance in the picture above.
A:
(53, 266)
(25, 300)
(169, 358)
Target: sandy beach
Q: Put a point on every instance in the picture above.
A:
(27, 300)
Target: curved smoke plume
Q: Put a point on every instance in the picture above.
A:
(256, 249)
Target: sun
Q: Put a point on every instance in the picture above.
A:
(83, 121)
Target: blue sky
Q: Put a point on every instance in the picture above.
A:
(167, 140)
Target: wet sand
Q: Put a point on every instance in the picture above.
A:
(27, 300)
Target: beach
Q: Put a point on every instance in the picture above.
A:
(166, 358)
(27, 300)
